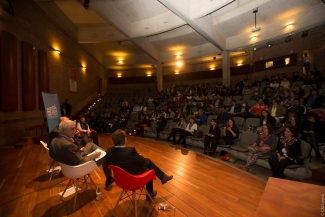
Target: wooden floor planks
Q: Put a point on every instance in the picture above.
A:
(201, 186)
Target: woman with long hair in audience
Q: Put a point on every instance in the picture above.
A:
(265, 144)
(266, 118)
(189, 130)
(212, 137)
(154, 115)
(313, 131)
(144, 125)
(230, 133)
(282, 92)
(288, 152)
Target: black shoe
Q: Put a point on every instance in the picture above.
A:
(109, 181)
(166, 179)
(152, 194)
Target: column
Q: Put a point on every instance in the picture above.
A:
(159, 75)
(225, 68)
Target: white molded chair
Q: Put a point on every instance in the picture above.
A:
(75, 172)
(53, 162)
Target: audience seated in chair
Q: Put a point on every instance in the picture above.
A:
(313, 132)
(189, 130)
(83, 127)
(265, 145)
(266, 118)
(211, 137)
(181, 126)
(144, 125)
(230, 133)
(288, 152)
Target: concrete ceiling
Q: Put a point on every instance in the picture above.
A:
(144, 32)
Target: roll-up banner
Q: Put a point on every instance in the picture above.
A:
(52, 109)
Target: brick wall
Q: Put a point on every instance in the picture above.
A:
(30, 24)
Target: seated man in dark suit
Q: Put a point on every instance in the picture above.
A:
(63, 150)
(128, 159)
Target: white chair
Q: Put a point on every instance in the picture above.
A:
(53, 162)
(75, 172)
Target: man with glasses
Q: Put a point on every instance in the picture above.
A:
(63, 150)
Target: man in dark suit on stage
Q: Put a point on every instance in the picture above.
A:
(128, 159)
(63, 150)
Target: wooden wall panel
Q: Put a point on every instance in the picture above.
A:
(44, 79)
(8, 72)
(28, 76)
(240, 70)
(132, 80)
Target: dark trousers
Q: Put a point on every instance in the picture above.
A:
(89, 148)
(94, 136)
(182, 138)
(213, 141)
(151, 166)
(278, 167)
(313, 139)
(173, 134)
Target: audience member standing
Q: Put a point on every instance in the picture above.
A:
(68, 108)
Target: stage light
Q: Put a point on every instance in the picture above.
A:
(304, 34)
(288, 39)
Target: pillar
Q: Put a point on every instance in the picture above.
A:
(225, 68)
(159, 75)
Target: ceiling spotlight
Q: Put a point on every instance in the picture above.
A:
(288, 39)
(269, 45)
(304, 34)
(254, 48)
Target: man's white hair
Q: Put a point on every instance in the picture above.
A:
(65, 125)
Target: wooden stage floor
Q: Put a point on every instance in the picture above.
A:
(201, 186)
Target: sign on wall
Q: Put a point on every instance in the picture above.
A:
(73, 79)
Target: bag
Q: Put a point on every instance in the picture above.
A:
(197, 134)
(256, 149)
(145, 128)
(226, 156)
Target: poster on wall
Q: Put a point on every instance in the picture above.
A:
(73, 79)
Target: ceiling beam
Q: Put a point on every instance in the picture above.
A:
(116, 19)
(203, 26)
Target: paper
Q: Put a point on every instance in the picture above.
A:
(102, 154)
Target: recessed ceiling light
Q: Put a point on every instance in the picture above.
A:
(269, 45)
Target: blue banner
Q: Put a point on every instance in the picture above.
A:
(52, 109)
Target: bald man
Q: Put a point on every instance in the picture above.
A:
(55, 131)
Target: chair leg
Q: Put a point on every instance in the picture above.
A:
(135, 203)
(154, 204)
(92, 181)
(76, 194)
(66, 188)
(118, 201)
